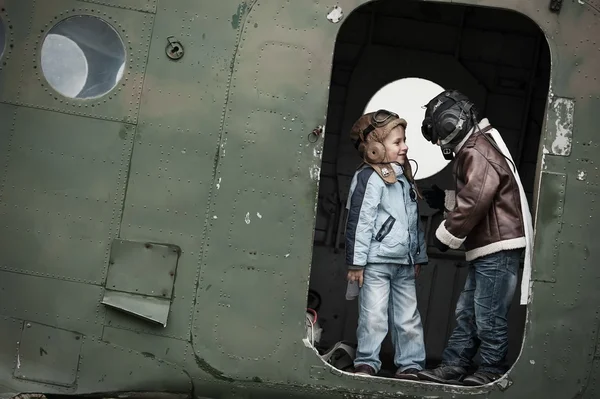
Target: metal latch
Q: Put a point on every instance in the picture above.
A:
(174, 49)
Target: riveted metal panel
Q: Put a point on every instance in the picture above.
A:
(140, 5)
(122, 102)
(7, 116)
(61, 195)
(168, 349)
(142, 268)
(269, 166)
(7, 46)
(548, 225)
(178, 143)
(594, 3)
(16, 19)
(105, 366)
(48, 354)
(228, 315)
(85, 313)
(178, 317)
(140, 279)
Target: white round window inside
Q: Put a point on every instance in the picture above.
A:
(83, 57)
(407, 98)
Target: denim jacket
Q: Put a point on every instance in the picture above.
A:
(383, 221)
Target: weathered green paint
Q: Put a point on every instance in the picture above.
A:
(550, 216)
(211, 153)
(48, 355)
(237, 17)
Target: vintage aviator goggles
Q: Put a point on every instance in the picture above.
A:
(380, 118)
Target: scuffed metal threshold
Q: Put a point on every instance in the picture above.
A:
(107, 395)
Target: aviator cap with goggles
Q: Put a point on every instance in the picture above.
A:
(378, 124)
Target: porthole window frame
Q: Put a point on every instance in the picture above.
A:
(82, 102)
(9, 41)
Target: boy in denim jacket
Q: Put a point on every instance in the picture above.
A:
(385, 246)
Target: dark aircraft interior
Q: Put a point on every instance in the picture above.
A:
(501, 60)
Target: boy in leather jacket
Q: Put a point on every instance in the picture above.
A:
(490, 217)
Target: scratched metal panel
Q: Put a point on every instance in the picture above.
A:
(48, 355)
(48, 299)
(108, 367)
(548, 225)
(172, 169)
(10, 334)
(140, 5)
(266, 202)
(122, 102)
(62, 192)
(168, 349)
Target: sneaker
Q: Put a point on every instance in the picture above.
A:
(481, 378)
(444, 375)
(363, 369)
(408, 374)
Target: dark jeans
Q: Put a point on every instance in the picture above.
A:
(482, 310)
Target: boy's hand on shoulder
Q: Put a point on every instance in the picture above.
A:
(417, 270)
(356, 275)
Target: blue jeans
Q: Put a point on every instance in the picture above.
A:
(482, 310)
(389, 293)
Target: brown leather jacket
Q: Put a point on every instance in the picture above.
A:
(487, 216)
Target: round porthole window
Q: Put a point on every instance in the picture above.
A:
(407, 98)
(83, 57)
(2, 38)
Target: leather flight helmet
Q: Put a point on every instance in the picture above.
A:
(367, 135)
(449, 116)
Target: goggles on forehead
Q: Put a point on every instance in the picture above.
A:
(378, 119)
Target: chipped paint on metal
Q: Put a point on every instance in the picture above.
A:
(581, 175)
(219, 184)
(559, 135)
(564, 126)
(237, 17)
(287, 255)
(335, 15)
(315, 172)
(258, 215)
(532, 361)
(215, 217)
(247, 218)
(504, 383)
